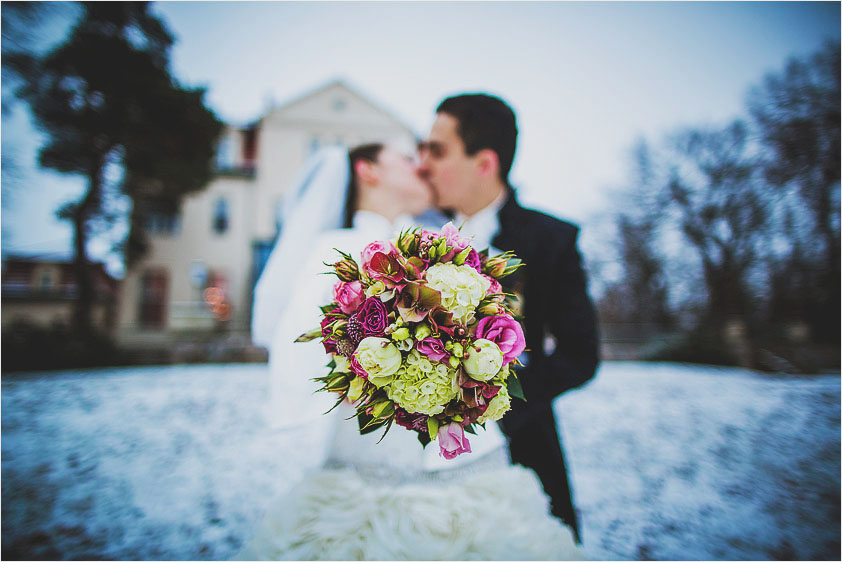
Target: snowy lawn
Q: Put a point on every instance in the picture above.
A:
(668, 462)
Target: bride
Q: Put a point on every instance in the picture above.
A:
(375, 499)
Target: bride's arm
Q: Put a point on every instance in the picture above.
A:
(293, 365)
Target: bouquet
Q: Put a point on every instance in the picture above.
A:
(421, 334)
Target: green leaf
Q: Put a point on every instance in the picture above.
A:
(470, 429)
(309, 336)
(388, 427)
(338, 402)
(432, 427)
(515, 388)
(368, 424)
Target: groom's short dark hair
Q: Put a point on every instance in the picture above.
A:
(485, 122)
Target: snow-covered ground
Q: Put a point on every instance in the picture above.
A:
(668, 462)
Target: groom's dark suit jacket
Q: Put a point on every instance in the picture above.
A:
(555, 302)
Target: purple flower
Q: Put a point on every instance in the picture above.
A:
(330, 345)
(373, 317)
(432, 348)
(418, 422)
(506, 332)
(473, 261)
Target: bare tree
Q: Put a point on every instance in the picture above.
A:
(720, 208)
(643, 290)
(796, 112)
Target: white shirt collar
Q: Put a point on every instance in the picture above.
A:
(483, 225)
(378, 225)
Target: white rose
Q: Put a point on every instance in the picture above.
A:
(380, 359)
(483, 360)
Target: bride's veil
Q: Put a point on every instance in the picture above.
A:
(315, 204)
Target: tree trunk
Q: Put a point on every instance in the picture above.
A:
(84, 302)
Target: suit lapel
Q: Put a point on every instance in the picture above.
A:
(508, 239)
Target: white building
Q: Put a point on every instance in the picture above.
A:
(198, 274)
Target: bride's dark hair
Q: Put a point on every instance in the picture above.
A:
(369, 153)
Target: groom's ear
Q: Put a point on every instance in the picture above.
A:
(487, 162)
(364, 170)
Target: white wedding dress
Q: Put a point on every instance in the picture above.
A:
(392, 500)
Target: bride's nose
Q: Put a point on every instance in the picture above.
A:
(422, 169)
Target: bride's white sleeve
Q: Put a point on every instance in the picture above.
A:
(292, 366)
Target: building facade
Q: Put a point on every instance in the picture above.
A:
(199, 272)
(42, 292)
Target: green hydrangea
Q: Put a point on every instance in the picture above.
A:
(498, 406)
(461, 288)
(422, 386)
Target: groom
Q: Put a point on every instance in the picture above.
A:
(466, 160)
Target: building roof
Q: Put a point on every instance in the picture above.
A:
(289, 108)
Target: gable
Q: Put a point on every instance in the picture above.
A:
(334, 104)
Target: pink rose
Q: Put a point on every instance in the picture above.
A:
(506, 332)
(330, 345)
(452, 441)
(495, 285)
(432, 348)
(368, 252)
(454, 239)
(357, 368)
(373, 317)
(473, 261)
(349, 296)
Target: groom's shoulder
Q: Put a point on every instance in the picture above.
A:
(549, 227)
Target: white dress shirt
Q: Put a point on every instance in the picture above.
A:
(483, 225)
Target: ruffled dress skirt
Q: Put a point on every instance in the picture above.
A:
(348, 514)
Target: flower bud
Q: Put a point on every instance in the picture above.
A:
(453, 361)
(337, 385)
(433, 252)
(495, 267)
(383, 409)
(422, 331)
(460, 258)
(347, 270)
(491, 309)
(457, 350)
(484, 360)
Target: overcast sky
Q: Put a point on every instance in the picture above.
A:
(585, 79)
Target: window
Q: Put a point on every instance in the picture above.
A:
(44, 278)
(153, 299)
(159, 222)
(45, 282)
(225, 154)
(220, 216)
